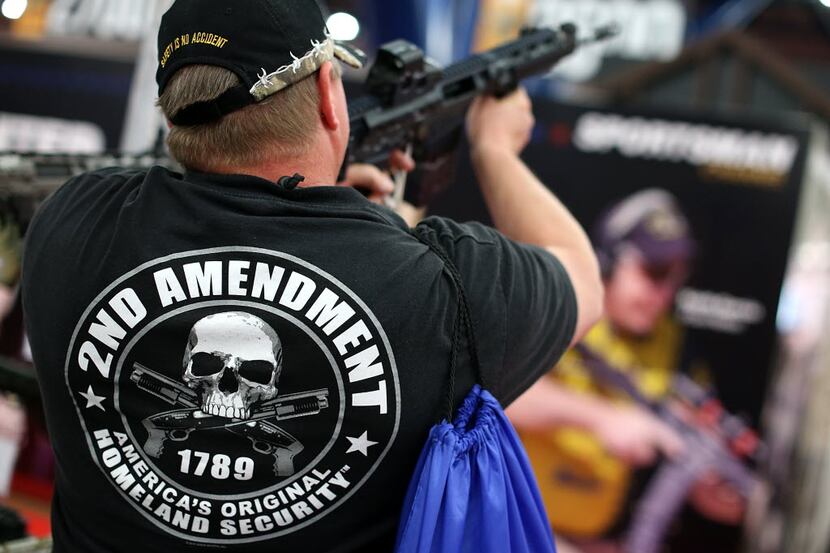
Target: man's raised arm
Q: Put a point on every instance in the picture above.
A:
(522, 208)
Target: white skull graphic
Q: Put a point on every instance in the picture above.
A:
(235, 360)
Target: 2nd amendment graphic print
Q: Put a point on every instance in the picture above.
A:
(233, 395)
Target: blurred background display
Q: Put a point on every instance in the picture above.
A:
(694, 149)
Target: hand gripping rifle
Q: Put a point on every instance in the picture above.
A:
(714, 440)
(415, 104)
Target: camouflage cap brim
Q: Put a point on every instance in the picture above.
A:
(302, 67)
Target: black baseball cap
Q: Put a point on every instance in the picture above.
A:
(268, 44)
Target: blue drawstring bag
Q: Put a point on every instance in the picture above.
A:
(473, 489)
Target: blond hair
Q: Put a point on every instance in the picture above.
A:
(281, 125)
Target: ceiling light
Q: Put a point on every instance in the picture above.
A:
(13, 9)
(342, 26)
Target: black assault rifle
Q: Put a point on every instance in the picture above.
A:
(413, 102)
(714, 439)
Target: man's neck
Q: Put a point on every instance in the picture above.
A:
(318, 165)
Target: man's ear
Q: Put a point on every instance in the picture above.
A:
(325, 87)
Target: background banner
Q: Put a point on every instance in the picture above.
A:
(738, 183)
(732, 186)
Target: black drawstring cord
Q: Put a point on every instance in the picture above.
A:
(463, 317)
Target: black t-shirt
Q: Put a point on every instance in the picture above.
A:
(229, 364)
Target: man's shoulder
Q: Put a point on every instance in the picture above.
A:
(81, 189)
(85, 194)
(107, 177)
(90, 182)
(450, 232)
